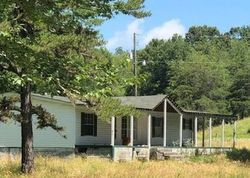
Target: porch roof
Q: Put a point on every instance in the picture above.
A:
(155, 102)
(142, 102)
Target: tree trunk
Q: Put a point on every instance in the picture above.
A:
(26, 127)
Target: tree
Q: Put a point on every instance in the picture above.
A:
(200, 83)
(239, 68)
(240, 33)
(201, 33)
(159, 54)
(50, 46)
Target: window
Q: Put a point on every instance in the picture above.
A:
(88, 124)
(187, 124)
(157, 127)
(126, 127)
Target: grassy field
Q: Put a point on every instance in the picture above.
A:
(242, 135)
(200, 166)
(53, 167)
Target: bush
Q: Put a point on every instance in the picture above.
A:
(242, 155)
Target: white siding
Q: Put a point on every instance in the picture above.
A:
(103, 131)
(10, 133)
(173, 123)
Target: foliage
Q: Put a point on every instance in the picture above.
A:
(112, 107)
(199, 83)
(242, 155)
(205, 70)
(201, 33)
(159, 54)
(240, 88)
(53, 47)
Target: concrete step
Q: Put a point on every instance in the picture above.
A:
(174, 157)
(170, 153)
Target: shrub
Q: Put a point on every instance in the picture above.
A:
(242, 155)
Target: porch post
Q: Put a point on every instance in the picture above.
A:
(165, 124)
(203, 132)
(210, 132)
(222, 132)
(234, 134)
(149, 130)
(181, 127)
(195, 131)
(131, 130)
(113, 131)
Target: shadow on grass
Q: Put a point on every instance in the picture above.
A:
(242, 155)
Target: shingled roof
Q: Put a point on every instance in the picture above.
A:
(142, 102)
(149, 102)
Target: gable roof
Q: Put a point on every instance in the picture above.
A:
(142, 102)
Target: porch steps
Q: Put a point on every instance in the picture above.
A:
(165, 154)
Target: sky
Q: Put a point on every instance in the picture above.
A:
(171, 17)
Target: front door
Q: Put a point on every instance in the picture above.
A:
(125, 130)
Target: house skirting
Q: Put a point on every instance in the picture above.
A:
(126, 153)
(55, 151)
(119, 152)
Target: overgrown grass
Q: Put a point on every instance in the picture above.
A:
(234, 164)
(78, 167)
(242, 135)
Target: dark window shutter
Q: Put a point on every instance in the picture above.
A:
(162, 127)
(190, 124)
(184, 123)
(153, 126)
(115, 127)
(82, 123)
(95, 125)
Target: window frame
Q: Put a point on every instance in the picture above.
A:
(154, 127)
(85, 125)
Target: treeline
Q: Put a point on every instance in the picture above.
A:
(206, 70)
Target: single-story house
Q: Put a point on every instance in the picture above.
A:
(164, 125)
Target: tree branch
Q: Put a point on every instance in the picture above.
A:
(3, 67)
(9, 66)
(46, 119)
(7, 106)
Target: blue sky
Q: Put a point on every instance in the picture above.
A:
(174, 16)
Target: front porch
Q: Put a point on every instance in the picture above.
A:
(128, 153)
(167, 127)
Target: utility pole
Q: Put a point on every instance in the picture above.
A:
(135, 61)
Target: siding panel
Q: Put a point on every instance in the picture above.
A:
(10, 133)
(103, 131)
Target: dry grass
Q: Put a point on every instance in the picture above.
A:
(200, 167)
(240, 143)
(54, 167)
(242, 135)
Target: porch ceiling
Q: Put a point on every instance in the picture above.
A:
(160, 108)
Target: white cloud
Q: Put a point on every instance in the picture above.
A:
(164, 31)
(124, 38)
